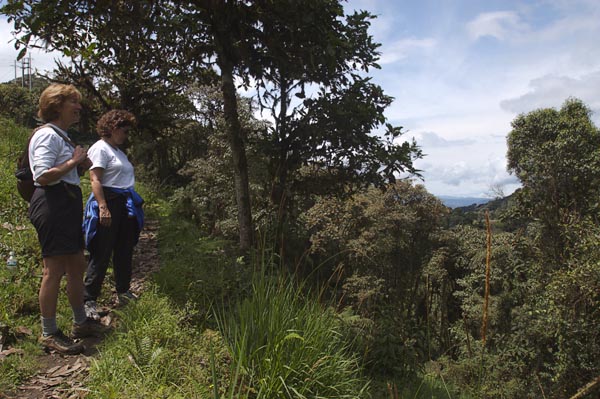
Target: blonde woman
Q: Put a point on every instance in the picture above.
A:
(56, 212)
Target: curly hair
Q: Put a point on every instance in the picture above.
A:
(114, 119)
(53, 98)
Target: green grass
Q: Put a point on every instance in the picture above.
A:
(155, 353)
(194, 268)
(288, 345)
(418, 387)
(18, 290)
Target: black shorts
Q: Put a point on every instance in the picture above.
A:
(56, 213)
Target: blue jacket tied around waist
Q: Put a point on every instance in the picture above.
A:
(91, 213)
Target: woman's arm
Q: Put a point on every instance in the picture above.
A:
(56, 172)
(96, 175)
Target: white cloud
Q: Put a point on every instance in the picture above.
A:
(552, 91)
(469, 170)
(457, 90)
(565, 27)
(455, 174)
(432, 140)
(499, 24)
(404, 48)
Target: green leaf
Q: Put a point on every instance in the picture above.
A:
(293, 336)
(22, 54)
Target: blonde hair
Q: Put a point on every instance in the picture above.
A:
(53, 98)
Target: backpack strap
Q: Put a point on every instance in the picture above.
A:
(25, 155)
(61, 134)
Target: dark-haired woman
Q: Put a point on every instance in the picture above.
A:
(113, 214)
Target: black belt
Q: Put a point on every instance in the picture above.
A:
(68, 187)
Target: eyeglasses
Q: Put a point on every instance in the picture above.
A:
(124, 129)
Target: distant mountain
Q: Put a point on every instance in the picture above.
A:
(475, 214)
(457, 202)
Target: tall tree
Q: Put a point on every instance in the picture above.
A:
(307, 63)
(555, 155)
(280, 48)
(223, 30)
(311, 76)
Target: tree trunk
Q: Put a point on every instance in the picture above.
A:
(223, 19)
(278, 192)
(238, 154)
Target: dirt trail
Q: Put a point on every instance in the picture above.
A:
(63, 376)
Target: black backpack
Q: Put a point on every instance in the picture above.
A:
(25, 185)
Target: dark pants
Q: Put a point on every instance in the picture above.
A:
(117, 241)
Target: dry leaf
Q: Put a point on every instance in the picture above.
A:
(64, 370)
(10, 351)
(31, 387)
(50, 382)
(52, 370)
(23, 330)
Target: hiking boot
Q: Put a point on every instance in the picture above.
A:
(89, 328)
(91, 310)
(126, 297)
(61, 343)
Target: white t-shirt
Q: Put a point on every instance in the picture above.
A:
(46, 150)
(118, 171)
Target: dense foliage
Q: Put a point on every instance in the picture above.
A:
(392, 283)
(17, 103)
(555, 155)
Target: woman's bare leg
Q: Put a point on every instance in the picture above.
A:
(54, 269)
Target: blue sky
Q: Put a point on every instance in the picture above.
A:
(461, 71)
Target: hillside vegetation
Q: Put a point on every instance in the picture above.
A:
(295, 263)
(387, 297)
